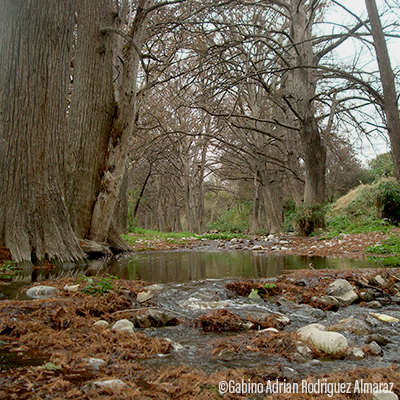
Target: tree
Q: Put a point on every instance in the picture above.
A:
(35, 40)
(390, 105)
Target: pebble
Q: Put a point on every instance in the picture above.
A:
(101, 324)
(123, 325)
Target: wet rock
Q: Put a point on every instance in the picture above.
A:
(159, 318)
(374, 348)
(352, 325)
(144, 296)
(109, 384)
(384, 396)
(195, 304)
(328, 302)
(355, 353)
(328, 342)
(41, 292)
(381, 340)
(378, 281)
(367, 295)
(343, 291)
(94, 363)
(101, 324)
(373, 304)
(384, 317)
(123, 325)
(301, 309)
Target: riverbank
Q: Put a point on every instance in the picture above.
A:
(181, 341)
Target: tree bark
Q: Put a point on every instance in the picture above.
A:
(389, 90)
(122, 129)
(35, 42)
(91, 112)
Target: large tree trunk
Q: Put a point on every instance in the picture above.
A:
(389, 90)
(123, 127)
(302, 88)
(35, 40)
(91, 112)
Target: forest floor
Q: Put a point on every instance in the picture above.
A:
(346, 245)
(59, 333)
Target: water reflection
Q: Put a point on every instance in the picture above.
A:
(190, 266)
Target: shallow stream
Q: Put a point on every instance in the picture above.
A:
(193, 283)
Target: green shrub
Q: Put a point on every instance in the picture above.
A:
(308, 217)
(388, 200)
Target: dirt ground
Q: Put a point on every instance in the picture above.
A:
(60, 333)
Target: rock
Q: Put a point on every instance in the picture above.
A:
(161, 318)
(144, 296)
(109, 384)
(41, 292)
(195, 304)
(373, 304)
(94, 363)
(352, 325)
(71, 288)
(355, 353)
(328, 302)
(154, 288)
(256, 248)
(378, 281)
(123, 325)
(367, 295)
(302, 309)
(382, 341)
(270, 237)
(384, 317)
(328, 342)
(374, 348)
(384, 396)
(90, 247)
(274, 330)
(143, 321)
(343, 291)
(101, 324)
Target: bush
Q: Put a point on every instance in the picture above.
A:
(308, 217)
(388, 200)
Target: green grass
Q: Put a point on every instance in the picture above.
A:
(175, 237)
(7, 270)
(387, 252)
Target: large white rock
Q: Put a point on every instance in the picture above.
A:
(123, 325)
(343, 291)
(144, 296)
(328, 342)
(41, 292)
(384, 396)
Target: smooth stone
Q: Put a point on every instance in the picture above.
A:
(343, 291)
(41, 292)
(144, 296)
(384, 396)
(101, 324)
(328, 302)
(373, 304)
(328, 342)
(123, 325)
(95, 363)
(255, 248)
